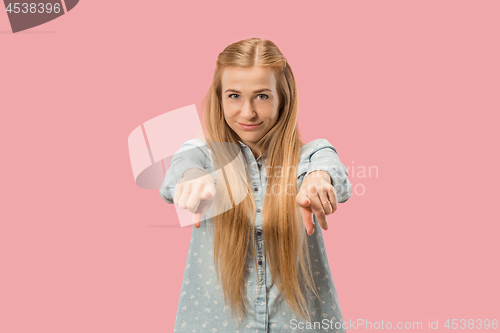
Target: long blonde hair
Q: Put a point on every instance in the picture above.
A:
(285, 242)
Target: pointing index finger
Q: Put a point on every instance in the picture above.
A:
(305, 210)
(318, 211)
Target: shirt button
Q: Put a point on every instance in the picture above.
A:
(258, 210)
(256, 189)
(259, 165)
(259, 233)
(260, 262)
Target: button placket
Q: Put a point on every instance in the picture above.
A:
(260, 254)
(256, 185)
(262, 269)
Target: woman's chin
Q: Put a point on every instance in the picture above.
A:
(249, 138)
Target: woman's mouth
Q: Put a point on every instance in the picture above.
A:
(249, 126)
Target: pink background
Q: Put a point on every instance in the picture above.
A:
(411, 88)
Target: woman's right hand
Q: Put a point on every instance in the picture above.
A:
(195, 192)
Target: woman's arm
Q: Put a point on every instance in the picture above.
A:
(323, 156)
(192, 154)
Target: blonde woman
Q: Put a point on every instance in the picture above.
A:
(257, 261)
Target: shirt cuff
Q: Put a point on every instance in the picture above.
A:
(326, 159)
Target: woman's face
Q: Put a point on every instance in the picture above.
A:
(249, 97)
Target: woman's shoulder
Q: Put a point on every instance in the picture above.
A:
(202, 144)
(194, 143)
(313, 146)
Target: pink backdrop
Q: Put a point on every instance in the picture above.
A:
(410, 89)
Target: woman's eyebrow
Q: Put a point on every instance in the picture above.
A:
(256, 91)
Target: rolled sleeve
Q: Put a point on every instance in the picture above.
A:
(192, 154)
(323, 156)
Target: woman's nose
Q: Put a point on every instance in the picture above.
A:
(247, 111)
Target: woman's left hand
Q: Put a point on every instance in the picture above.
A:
(314, 196)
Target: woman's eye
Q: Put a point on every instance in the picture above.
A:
(265, 96)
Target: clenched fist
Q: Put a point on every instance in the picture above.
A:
(195, 192)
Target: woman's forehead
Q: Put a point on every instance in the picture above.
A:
(248, 78)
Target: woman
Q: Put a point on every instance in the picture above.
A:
(251, 267)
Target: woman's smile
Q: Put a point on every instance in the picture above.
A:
(249, 127)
